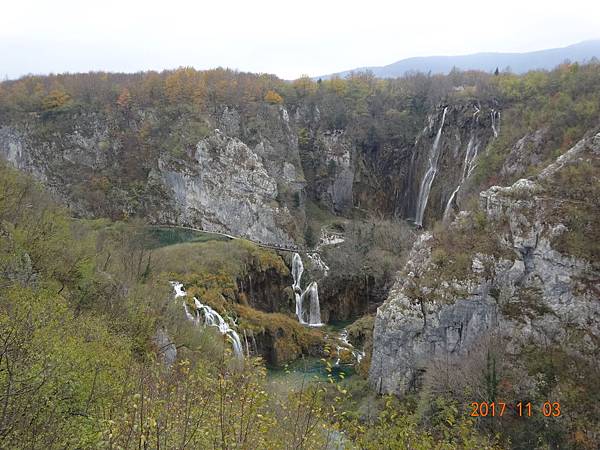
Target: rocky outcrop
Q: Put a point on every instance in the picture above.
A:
(225, 187)
(345, 298)
(529, 292)
(330, 165)
(527, 152)
(165, 347)
(267, 291)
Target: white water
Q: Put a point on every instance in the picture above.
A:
(348, 347)
(211, 318)
(318, 261)
(429, 175)
(297, 270)
(308, 314)
(468, 166)
(314, 308)
(476, 113)
(495, 122)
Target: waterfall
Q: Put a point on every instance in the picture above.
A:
(468, 166)
(297, 269)
(308, 314)
(345, 345)
(314, 311)
(495, 125)
(211, 318)
(299, 307)
(429, 175)
(318, 261)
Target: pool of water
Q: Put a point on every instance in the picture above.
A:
(308, 370)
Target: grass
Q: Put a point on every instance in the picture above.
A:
(165, 236)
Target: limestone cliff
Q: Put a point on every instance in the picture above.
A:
(242, 173)
(102, 165)
(516, 270)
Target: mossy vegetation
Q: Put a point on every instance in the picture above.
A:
(576, 188)
(360, 334)
(165, 236)
(211, 270)
(527, 305)
(454, 247)
(564, 102)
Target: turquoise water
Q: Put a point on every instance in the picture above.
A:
(309, 369)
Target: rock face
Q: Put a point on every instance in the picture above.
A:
(344, 298)
(225, 187)
(525, 153)
(267, 291)
(330, 168)
(230, 180)
(464, 131)
(249, 177)
(537, 295)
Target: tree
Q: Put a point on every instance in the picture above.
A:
(124, 99)
(55, 99)
(310, 238)
(273, 97)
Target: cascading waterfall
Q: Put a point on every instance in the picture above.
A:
(211, 318)
(307, 314)
(318, 261)
(346, 346)
(468, 166)
(429, 175)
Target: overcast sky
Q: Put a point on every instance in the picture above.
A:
(288, 38)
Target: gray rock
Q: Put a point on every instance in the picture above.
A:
(555, 294)
(165, 347)
(225, 188)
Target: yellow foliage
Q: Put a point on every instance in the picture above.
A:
(55, 99)
(305, 86)
(273, 97)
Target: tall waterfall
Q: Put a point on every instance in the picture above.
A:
(211, 318)
(430, 174)
(468, 166)
(307, 313)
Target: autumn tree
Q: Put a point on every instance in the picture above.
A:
(273, 97)
(124, 99)
(55, 99)
(305, 86)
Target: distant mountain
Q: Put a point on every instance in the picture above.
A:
(518, 62)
